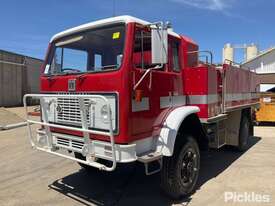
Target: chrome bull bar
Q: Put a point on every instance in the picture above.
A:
(84, 128)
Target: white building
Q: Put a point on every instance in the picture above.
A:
(263, 64)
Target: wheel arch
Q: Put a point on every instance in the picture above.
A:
(180, 120)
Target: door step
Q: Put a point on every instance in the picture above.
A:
(152, 162)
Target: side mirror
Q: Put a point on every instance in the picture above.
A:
(159, 44)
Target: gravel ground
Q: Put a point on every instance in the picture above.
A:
(29, 177)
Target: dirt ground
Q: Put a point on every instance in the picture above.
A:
(29, 177)
(13, 115)
(20, 111)
(7, 117)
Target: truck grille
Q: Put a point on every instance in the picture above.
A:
(68, 111)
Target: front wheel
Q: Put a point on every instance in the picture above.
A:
(180, 172)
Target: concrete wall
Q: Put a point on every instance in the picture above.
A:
(32, 75)
(19, 75)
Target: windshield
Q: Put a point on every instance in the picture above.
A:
(96, 50)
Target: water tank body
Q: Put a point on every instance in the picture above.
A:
(251, 52)
(228, 53)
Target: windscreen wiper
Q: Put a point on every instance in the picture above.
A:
(109, 66)
(50, 76)
(93, 70)
(72, 70)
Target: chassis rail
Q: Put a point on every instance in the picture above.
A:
(84, 128)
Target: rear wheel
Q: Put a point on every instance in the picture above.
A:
(180, 172)
(244, 134)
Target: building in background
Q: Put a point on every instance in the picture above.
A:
(19, 75)
(264, 65)
(249, 51)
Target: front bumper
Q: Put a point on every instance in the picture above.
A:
(97, 149)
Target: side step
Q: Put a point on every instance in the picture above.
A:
(152, 162)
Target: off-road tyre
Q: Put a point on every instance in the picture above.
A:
(180, 172)
(244, 134)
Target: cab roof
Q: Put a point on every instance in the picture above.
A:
(119, 19)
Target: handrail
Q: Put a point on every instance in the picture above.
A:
(204, 56)
(44, 122)
(206, 51)
(224, 88)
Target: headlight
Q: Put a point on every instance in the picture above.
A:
(104, 114)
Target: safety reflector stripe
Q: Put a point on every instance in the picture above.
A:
(172, 101)
(214, 98)
(180, 100)
(202, 99)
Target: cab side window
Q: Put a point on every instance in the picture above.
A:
(192, 58)
(142, 49)
(175, 56)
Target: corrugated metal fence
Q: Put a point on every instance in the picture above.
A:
(19, 75)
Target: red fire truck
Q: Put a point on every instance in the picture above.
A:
(122, 89)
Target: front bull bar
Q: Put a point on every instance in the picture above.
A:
(86, 132)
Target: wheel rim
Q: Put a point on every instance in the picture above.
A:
(189, 167)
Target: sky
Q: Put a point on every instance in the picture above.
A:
(27, 26)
